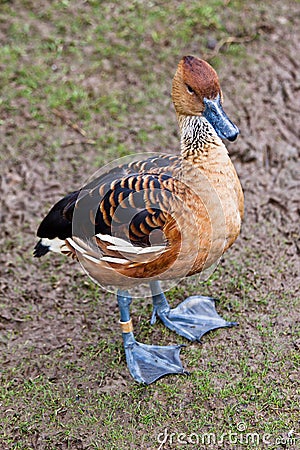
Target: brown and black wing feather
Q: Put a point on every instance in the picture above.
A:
(131, 207)
(136, 205)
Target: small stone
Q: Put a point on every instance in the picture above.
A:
(211, 43)
(282, 20)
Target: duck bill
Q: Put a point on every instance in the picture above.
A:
(216, 116)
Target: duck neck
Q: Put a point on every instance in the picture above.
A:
(198, 138)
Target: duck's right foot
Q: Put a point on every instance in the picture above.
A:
(148, 363)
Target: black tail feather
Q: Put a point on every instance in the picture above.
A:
(40, 249)
(58, 222)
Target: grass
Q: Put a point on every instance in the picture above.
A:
(86, 401)
(64, 384)
(120, 418)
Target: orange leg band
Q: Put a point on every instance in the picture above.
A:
(126, 327)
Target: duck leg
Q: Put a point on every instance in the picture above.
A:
(146, 363)
(194, 317)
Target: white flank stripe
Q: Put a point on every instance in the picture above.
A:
(114, 260)
(137, 250)
(114, 240)
(91, 258)
(128, 249)
(153, 249)
(74, 245)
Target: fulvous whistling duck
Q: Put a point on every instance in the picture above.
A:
(159, 218)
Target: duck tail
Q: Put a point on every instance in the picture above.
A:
(40, 249)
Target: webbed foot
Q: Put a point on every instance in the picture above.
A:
(148, 363)
(192, 318)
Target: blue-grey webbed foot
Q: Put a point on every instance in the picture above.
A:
(194, 317)
(146, 363)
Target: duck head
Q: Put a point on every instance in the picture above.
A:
(196, 92)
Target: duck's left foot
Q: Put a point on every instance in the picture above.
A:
(192, 318)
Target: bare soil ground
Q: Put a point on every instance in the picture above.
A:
(64, 378)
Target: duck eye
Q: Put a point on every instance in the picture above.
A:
(189, 89)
